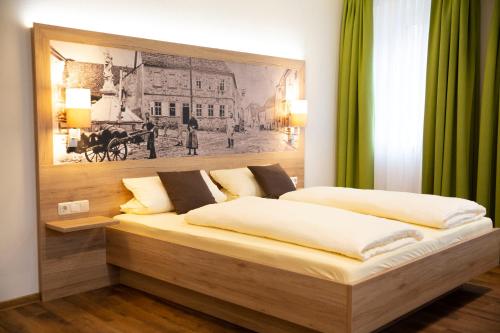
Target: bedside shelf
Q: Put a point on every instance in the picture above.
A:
(84, 223)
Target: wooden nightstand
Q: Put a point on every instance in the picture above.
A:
(76, 256)
(91, 222)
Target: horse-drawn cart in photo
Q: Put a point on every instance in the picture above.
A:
(110, 142)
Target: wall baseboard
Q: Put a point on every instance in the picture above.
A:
(20, 301)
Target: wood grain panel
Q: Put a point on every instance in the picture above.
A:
(382, 298)
(85, 223)
(91, 279)
(106, 191)
(75, 262)
(100, 183)
(64, 245)
(318, 304)
(230, 312)
(310, 302)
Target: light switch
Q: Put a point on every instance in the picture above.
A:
(84, 206)
(73, 207)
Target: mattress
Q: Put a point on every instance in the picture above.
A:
(316, 263)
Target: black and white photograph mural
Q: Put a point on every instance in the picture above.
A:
(114, 104)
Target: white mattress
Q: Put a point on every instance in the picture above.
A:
(321, 264)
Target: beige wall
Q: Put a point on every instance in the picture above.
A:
(288, 28)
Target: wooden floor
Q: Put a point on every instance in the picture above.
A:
(475, 307)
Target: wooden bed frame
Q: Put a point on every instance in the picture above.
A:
(255, 296)
(76, 262)
(267, 299)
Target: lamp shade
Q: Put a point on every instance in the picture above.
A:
(78, 108)
(298, 113)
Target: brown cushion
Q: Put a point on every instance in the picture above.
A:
(273, 180)
(186, 189)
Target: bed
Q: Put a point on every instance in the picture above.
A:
(272, 286)
(271, 295)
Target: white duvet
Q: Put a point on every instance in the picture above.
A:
(330, 229)
(424, 209)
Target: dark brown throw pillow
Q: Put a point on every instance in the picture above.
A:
(273, 180)
(186, 189)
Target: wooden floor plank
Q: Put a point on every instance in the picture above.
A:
(173, 313)
(475, 307)
(85, 322)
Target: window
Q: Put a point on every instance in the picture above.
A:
(210, 110)
(198, 110)
(198, 84)
(222, 110)
(172, 109)
(157, 79)
(172, 81)
(221, 85)
(157, 109)
(401, 31)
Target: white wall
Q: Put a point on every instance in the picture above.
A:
(287, 28)
(18, 254)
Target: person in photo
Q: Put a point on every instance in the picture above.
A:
(180, 132)
(230, 125)
(151, 128)
(192, 135)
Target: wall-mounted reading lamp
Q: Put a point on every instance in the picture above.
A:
(78, 109)
(297, 119)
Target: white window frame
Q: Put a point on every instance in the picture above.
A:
(157, 80)
(157, 109)
(172, 107)
(172, 81)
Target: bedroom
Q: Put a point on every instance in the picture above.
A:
(242, 71)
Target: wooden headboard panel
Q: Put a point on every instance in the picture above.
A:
(102, 185)
(75, 262)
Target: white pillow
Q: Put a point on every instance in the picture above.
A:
(229, 195)
(216, 193)
(240, 182)
(150, 193)
(133, 206)
(150, 196)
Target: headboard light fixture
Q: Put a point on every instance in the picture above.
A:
(77, 109)
(297, 118)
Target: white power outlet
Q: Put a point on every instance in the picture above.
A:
(73, 207)
(64, 208)
(295, 180)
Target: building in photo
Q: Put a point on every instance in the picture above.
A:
(172, 88)
(148, 99)
(286, 90)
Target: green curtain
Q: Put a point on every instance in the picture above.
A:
(488, 173)
(451, 101)
(354, 154)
